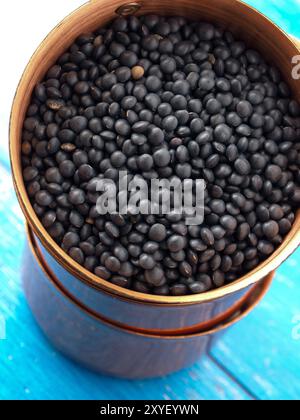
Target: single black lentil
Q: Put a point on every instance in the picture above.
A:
(164, 97)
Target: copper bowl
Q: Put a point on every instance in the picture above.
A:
(148, 312)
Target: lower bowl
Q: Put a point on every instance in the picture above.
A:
(188, 319)
(106, 347)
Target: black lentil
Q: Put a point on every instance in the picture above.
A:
(158, 233)
(163, 97)
(176, 243)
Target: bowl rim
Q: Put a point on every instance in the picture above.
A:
(248, 306)
(288, 246)
(203, 326)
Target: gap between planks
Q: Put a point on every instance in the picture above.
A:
(230, 375)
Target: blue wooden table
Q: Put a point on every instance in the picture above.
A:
(257, 359)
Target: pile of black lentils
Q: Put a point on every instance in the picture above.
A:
(162, 98)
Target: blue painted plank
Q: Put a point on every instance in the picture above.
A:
(262, 352)
(283, 12)
(31, 369)
(267, 364)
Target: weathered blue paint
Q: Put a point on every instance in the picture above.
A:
(259, 358)
(267, 361)
(285, 13)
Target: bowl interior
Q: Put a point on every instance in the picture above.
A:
(241, 19)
